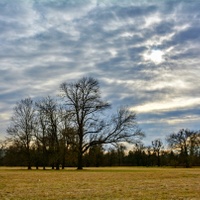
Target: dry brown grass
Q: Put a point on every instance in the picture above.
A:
(101, 183)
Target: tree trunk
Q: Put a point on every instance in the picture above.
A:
(44, 160)
(64, 154)
(29, 158)
(186, 158)
(57, 161)
(80, 152)
(57, 166)
(158, 159)
(80, 160)
(37, 166)
(63, 163)
(29, 165)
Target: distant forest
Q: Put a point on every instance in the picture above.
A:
(77, 130)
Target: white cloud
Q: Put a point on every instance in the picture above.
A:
(184, 120)
(167, 105)
(152, 20)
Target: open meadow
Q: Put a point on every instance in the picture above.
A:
(100, 183)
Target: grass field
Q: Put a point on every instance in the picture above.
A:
(101, 183)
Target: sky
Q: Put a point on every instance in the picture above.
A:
(145, 55)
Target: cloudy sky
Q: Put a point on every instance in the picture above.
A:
(145, 54)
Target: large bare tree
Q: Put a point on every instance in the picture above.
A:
(84, 104)
(22, 126)
(49, 133)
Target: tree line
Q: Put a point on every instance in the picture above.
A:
(180, 154)
(77, 130)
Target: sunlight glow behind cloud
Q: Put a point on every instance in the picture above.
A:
(155, 56)
(160, 106)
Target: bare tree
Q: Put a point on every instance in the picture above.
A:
(83, 102)
(120, 153)
(49, 120)
(23, 125)
(157, 146)
(2, 150)
(68, 139)
(41, 133)
(184, 142)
